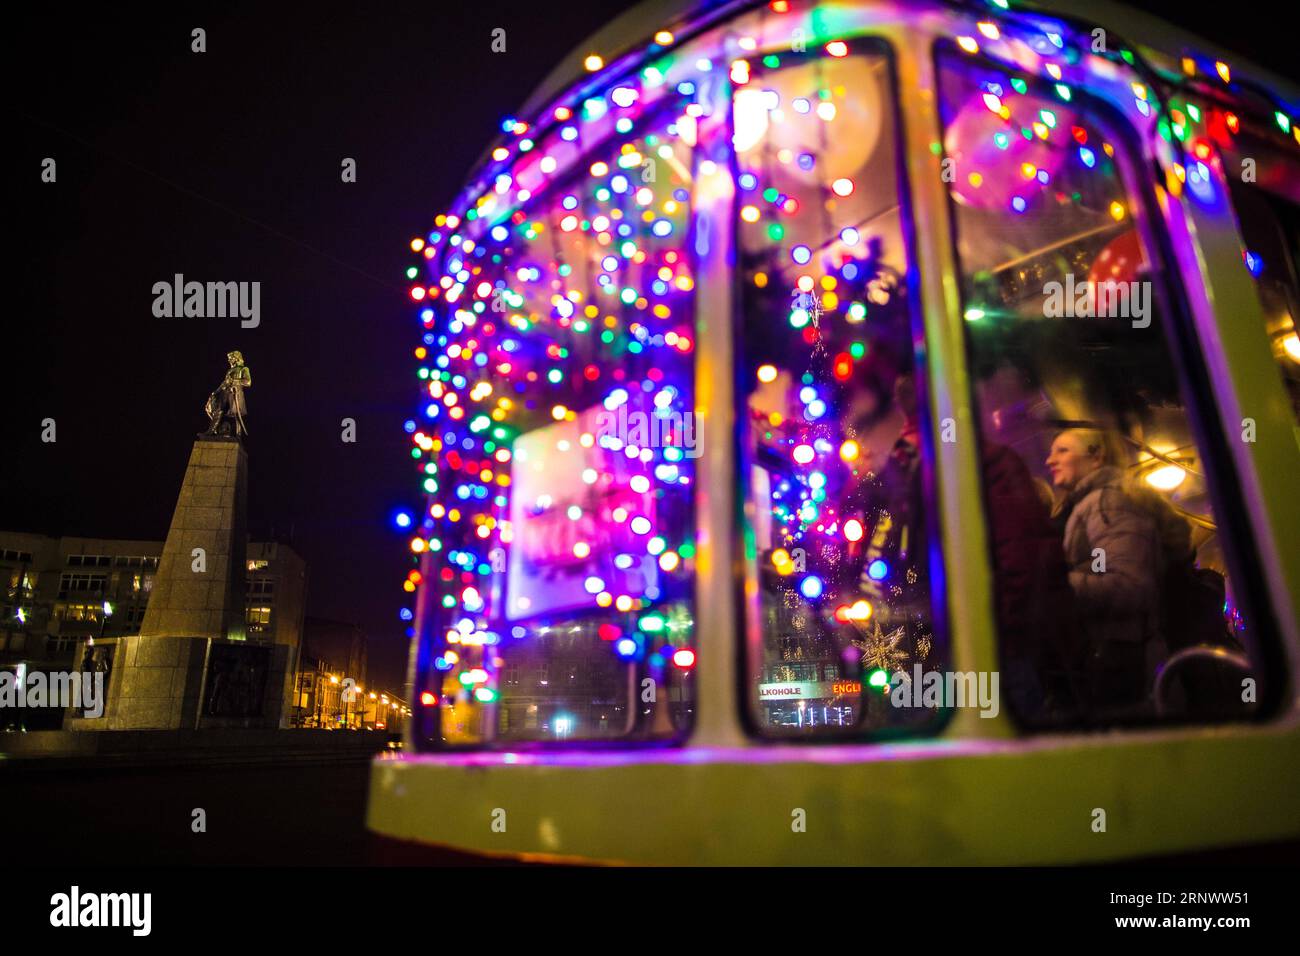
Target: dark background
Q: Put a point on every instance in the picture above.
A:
(225, 167)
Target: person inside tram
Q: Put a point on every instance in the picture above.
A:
(1119, 540)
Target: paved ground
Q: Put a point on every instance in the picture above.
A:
(292, 814)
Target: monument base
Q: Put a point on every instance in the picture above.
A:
(189, 683)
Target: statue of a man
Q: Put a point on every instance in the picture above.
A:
(225, 407)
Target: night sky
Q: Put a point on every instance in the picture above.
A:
(225, 166)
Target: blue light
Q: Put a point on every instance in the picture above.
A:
(849, 236)
(402, 519)
(801, 255)
(626, 647)
(877, 569)
(1018, 204)
(499, 233)
(405, 614)
(1253, 262)
(1088, 156)
(811, 587)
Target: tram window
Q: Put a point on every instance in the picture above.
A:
(1112, 592)
(561, 410)
(1270, 226)
(844, 557)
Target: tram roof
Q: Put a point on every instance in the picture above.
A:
(635, 26)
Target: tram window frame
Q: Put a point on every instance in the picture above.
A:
(749, 623)
(427, 722)
(1241, 550)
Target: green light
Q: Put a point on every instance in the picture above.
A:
(430, 485)
(651, 623)
(879, 678)
(1048, 117)
(687, 550)
(1063, 92)
(607, 336)
(412, 272)
(771, 61)
(1127, 56)
(1283, 121)
(857, 349)
(974, 314)
(1194, 112)
(628, 296)
(776, 232)
(1019, 85)
(770, 194)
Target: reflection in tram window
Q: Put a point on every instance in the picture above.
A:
(560, 529)
(1268, 212)
(1111, 587)
(832, 406)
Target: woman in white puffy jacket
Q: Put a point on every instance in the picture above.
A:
(1117, 542)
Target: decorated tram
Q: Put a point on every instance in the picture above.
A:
(861, 432)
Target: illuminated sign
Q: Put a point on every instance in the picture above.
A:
(809, 690)
(580, 526)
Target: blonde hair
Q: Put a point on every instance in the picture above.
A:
(1105, 445)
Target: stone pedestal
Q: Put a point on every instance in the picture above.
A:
(199, 588)
(169, 675)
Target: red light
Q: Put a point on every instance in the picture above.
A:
(843, 366)
(609, 632)
(428, 698)
(685, 658)
(1233, 123)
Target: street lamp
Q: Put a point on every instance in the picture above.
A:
(103, 622)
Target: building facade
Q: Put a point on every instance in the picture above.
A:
(65, 599)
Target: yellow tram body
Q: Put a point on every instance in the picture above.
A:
(980, 791)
